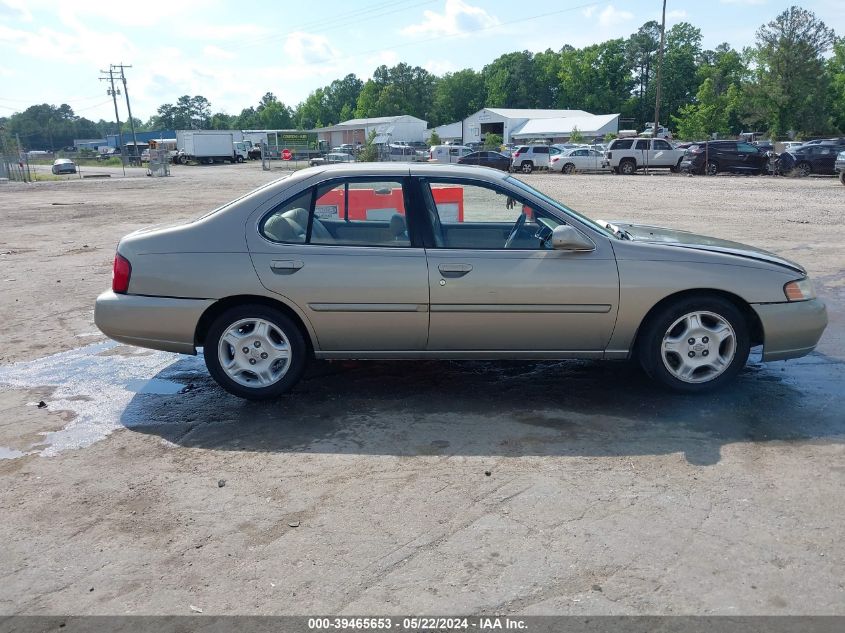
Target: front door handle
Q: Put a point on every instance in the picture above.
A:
(454, 270)
(286, 266)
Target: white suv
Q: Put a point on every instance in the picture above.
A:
(527, 158)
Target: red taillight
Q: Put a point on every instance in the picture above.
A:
(516, 154)
(120, 274)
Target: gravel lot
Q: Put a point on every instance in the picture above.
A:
(409, 488)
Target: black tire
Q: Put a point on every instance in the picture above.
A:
(842, 176)
(712, 168)
(803, 169)
(240, 158)
(650, 342)
(527, 167)
(298, 351)
(677, 168)
(568, 168)
(628, 167)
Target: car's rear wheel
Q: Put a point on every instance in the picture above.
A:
(676, 168)
(695, 344)
(627, 167)
(255, 352)
(568, 168)
(803, 169)
(712, 168)
(527, 167)
(842, 177)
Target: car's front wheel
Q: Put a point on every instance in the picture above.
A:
(527, 167)
(803, 170)
(695, 344)
(712, 168)
(255, 352)
(842, 176)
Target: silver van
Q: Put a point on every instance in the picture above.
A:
(447, 153)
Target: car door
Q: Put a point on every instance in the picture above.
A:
(486, 298)
(749, 157)
(660, 154)
(342, 253)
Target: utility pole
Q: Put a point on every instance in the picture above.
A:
(128, 108)
(111, 91)
(659, 66)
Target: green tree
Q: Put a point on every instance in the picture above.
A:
(575, 136)
(679, 77)
(434, 139)
(402, 89)
(708, 115)
(790, 72)
(510, 81)
(642, 54)
(456, 96)
(492, 141)
(369, 153)
(596, 78)
(836, 72)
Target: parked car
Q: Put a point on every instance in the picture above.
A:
(332, 158)
(447, 153)
(496, 160)
(330, 263)
(818, 158)
(712, 157)
(63, 166)
(840, 166)
(578, 159)
(627, 155)
(527, 158)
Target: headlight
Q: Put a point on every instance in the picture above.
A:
(799, 290)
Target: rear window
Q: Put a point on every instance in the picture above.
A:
(521, 148)
(624, 143)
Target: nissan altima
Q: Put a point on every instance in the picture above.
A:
(389, 261)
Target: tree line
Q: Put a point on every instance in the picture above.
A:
(790, 82)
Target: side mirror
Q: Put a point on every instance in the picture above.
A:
(566, 238)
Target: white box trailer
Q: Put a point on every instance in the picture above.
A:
(206, 146)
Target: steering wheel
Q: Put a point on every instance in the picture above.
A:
(520, 221)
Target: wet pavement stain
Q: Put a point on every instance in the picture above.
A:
(431, 407)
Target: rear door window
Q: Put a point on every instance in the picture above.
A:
(622, 144)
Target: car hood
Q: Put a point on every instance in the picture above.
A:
(685, 239)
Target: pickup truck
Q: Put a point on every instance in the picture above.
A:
(839, 166)
(627, 155)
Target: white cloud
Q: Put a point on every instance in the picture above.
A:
(458, 18)
(216, 52)
(15, 8)
(439, 66)
(611, 17)
(307, 49)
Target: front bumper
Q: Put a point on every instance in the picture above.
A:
(155, 322)
(791, 330)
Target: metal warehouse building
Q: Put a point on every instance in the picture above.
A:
(515, 125)
(388, 129)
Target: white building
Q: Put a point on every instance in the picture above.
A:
(389, 129)
(449, 133)
(521, 124)
(561, 128)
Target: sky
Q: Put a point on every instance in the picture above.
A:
(234, 52)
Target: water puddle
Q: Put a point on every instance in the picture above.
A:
(155, 385)
(10, 453)
(96, 384)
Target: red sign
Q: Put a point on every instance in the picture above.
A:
(286, 154)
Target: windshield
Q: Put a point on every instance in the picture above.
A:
(560, 207)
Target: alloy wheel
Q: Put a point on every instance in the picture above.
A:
(254, 353)
(698, 347)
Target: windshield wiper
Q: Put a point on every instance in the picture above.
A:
(620, 233)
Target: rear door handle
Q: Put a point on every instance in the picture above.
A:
(286, 266)
(454, 270)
